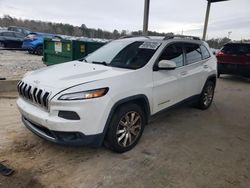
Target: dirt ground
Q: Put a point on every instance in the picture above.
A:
(181, 148)
(14, 64)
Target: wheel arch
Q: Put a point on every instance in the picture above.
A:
(140, 100)
(211, 78)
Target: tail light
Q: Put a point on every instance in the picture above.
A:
(220, 53)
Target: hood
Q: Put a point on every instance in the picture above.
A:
(69, 74)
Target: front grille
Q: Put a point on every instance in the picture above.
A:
(35, 95)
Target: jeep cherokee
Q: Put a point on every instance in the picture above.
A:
(108, 96)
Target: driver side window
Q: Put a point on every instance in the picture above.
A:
(173, 52)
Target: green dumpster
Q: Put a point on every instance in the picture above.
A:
(58, 50)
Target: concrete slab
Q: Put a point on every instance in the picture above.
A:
(8, 85)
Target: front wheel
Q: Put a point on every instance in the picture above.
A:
(126, 128)
(39, 50)
(207, 96)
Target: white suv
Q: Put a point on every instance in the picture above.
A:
(109, 96)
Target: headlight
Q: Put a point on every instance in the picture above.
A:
(84, 94)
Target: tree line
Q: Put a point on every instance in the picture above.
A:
(83, 30)
(68, 29)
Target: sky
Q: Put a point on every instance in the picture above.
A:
(178, 16)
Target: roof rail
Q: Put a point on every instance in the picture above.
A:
(181, 36)
(132, 36)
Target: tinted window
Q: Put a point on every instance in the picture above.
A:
(229, 49)
(19, 35)
(26, 32)
(174, 53)
(193, 53)
(8, 34)
(133, 56)
(236, 49)
(124, 54)
(204, 51)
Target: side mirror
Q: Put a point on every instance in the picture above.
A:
(166, 65)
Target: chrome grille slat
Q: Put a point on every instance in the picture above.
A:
(25, 91)
(45, 99)
(18, 85)
(39, 94)
(36, 95)
(21, 88)
(28, 93)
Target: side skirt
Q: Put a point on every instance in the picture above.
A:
(189, 101)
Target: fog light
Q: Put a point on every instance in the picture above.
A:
(70, 115)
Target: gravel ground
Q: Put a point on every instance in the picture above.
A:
(14, 64)
(181, 148)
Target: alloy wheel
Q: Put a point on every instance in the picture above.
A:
(208, 95)
(129, 129)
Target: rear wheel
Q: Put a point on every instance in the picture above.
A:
(218, 75)
(2, 45)
(126, 128)
(207, 95)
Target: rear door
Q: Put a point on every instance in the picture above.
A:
(19, 40)
(194, 69)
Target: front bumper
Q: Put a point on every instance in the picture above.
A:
(28, 46)
(65, 138)
(88, 130)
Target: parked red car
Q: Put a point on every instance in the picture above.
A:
(234, 58)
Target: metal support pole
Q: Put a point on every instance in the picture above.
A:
(145, 18)
(206, 20)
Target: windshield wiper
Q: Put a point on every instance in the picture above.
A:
(100, 63)
(82, 59)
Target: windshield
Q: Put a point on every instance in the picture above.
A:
(124, 54)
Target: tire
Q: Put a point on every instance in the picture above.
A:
(218, 75)
(126, 128)
(2, 45)
(39, 50)
(207, 95)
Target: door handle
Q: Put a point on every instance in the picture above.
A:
(205, 66)
(183, 73)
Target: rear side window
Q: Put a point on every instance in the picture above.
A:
(193, 53)
(174, 52)
(204, 52)
(8, 34)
